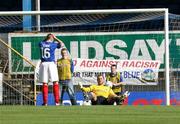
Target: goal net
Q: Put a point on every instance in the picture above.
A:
(134, 40)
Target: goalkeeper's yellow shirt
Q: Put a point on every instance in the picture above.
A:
(64, 69)
(99, 90)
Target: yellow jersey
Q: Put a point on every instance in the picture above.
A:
(99, 90)
(115, 79)
(64, 69)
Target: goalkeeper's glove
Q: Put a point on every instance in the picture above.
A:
(122, 97)
(126, 94)
(80, 85)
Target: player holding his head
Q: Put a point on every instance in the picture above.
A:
(48, 69)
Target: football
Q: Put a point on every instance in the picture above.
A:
(87, 103)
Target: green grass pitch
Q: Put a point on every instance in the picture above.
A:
(90, 115)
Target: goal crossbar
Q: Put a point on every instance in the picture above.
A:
(69, 12)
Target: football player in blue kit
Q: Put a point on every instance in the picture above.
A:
(48, 68)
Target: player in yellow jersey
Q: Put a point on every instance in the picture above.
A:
(116, 79)
(100, 94)
(65, 70)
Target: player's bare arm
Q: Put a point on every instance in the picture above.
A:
(58, 40)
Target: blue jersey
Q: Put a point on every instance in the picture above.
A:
(47, 51)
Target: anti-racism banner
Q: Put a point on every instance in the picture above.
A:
(133, 72)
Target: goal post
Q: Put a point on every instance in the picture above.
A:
(166, 25)
(104, 25)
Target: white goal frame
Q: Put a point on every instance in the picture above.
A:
(111, 11)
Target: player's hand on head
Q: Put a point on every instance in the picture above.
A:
(53, 36)
(62, 44)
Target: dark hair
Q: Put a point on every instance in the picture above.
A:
(63, 49)
(47, 37)
(114, 65)
(99, 75)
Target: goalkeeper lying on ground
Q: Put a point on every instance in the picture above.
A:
(101, 94)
